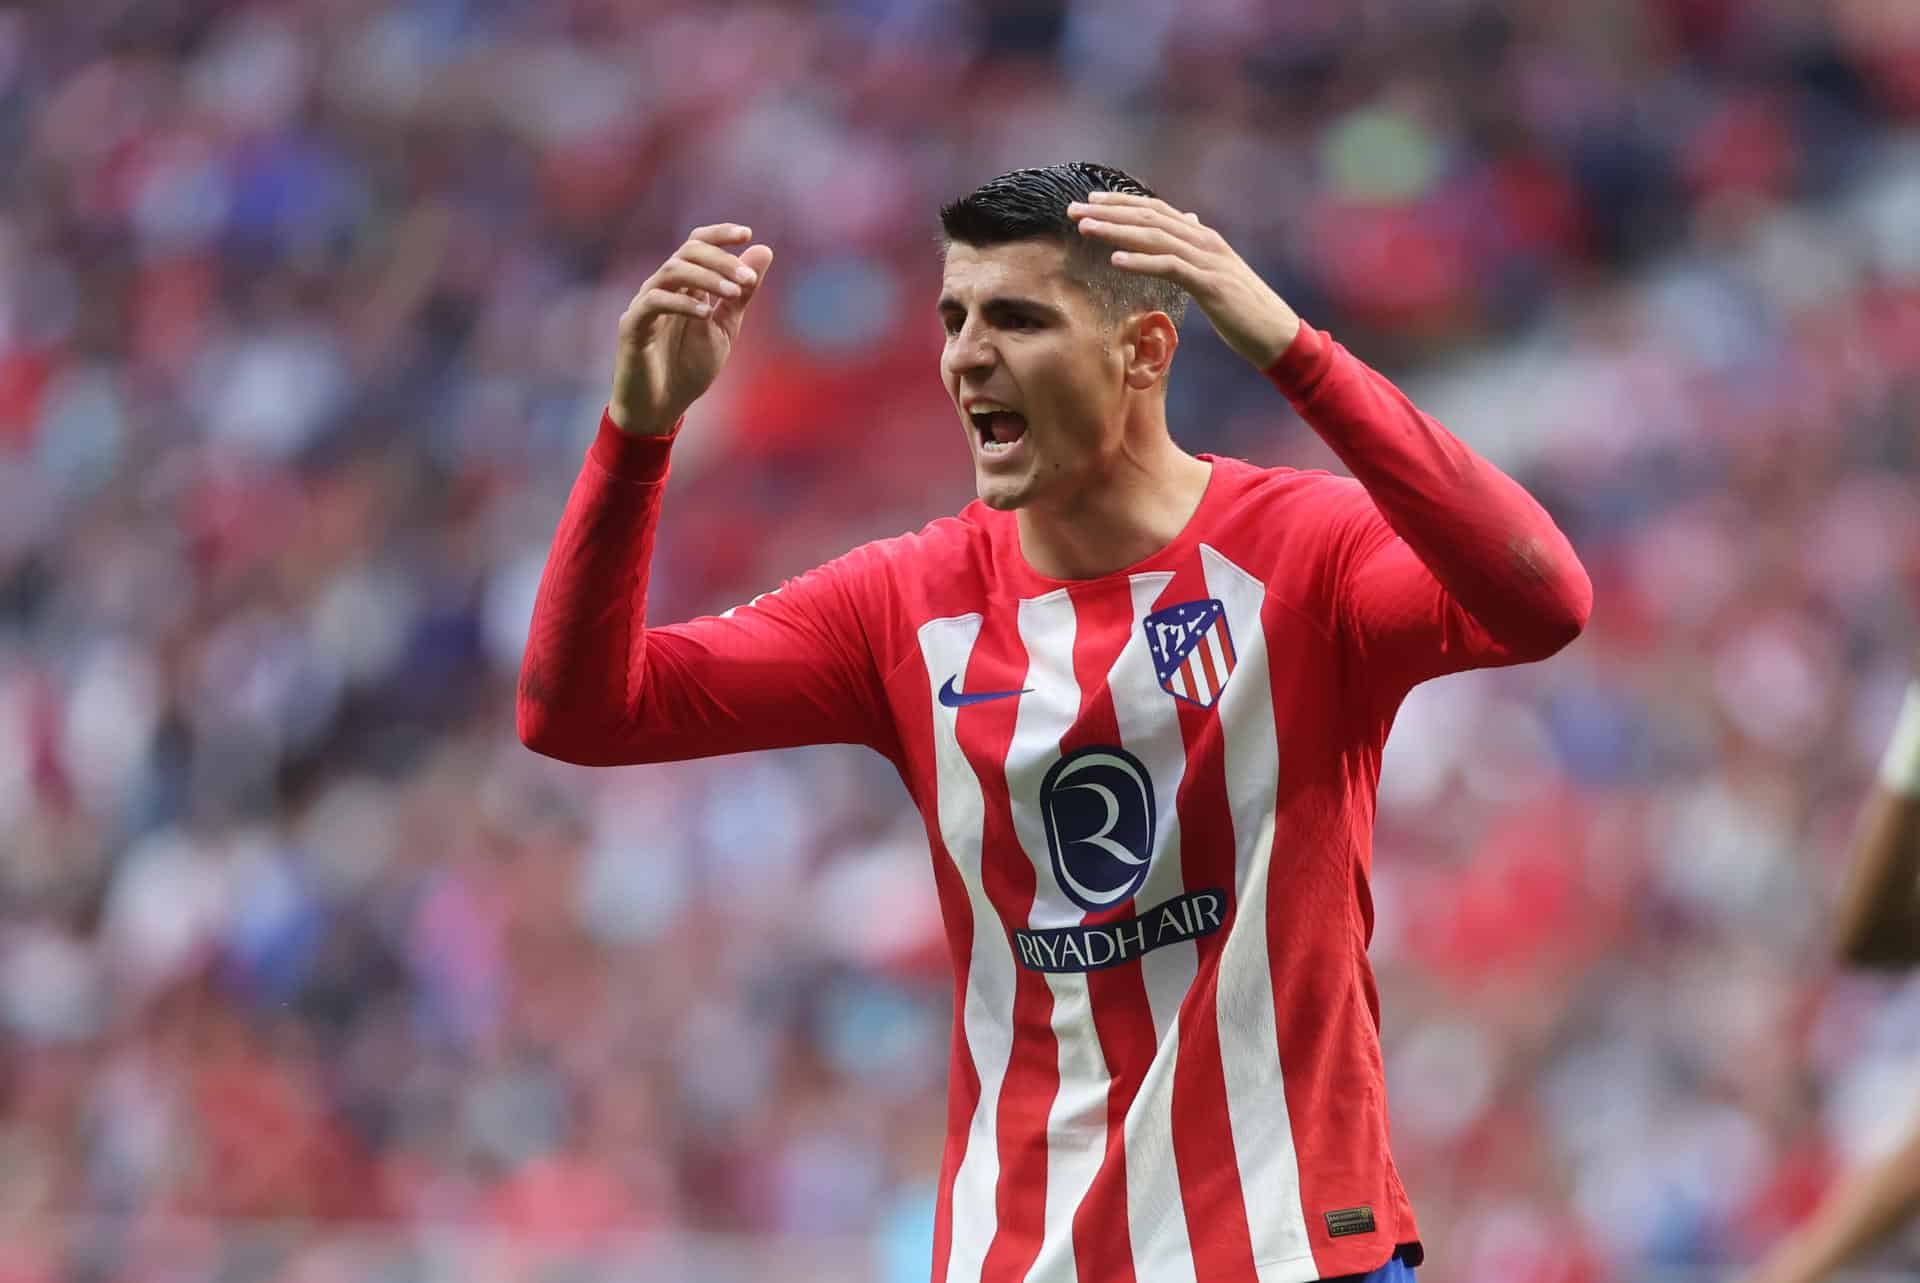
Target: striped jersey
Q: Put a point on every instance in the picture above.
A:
(1148, 797)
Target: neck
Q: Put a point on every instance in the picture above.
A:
(1134, 507)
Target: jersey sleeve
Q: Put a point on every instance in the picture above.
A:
(598, 687)
(1439, 561)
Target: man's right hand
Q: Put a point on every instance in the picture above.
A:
(677, 332)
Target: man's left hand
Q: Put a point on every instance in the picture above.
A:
(1155, 239)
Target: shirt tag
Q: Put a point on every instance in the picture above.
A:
(1349, 1220)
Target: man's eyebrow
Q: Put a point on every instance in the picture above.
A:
(1002, 303)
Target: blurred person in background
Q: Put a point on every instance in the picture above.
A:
(1879, 919)
(1879, 926)
(1139, 697)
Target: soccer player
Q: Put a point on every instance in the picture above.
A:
(1879, 927)
(1138, 697)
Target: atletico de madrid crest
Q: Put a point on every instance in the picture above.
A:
(1192, 649)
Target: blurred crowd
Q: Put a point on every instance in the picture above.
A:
(306, 311)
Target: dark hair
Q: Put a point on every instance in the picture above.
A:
(1031, 204)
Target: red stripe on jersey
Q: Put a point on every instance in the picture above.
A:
(1186, 675)
(1203, 1147)
(1122, 1016)
(985, 733)
(1226, 642)
(1206, 662)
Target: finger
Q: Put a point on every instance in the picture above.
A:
(756, 259)
(1138, 202)
(712, 256)
(679, 274)
(675, 301)
(721, 233)
(1135, 236)
(1114, 202)
(1179, 225)
(1168, 267)
(753, 262)
(658, 302)
(730, 312)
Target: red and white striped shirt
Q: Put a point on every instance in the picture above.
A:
(1149, 798)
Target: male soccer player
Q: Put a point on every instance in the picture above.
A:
(1879, 927)
(1139, 698)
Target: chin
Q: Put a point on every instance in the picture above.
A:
(1003, 493)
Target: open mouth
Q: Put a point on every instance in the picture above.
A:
(998, 428)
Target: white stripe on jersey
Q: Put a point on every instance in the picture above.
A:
(1077, 1120)
(1047, 712)
(1156, 1215)
(1249, 1040)
(1157, 742)
(946, 645)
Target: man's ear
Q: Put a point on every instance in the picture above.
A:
(1149, 347)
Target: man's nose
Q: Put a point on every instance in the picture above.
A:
(969, 350)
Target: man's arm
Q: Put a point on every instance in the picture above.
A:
(597, 686)
(1478, 573)
(600, 688)
(1879, 919)
(1864, 1208)
(1879, 926)
(1452, 564)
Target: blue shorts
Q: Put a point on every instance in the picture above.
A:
(1394, 1271)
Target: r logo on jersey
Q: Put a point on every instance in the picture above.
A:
(1099, 811)
(1192, 649)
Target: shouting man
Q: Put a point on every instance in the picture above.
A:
(1138, 696)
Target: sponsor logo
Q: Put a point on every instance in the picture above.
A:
(955, 699)
(1192, 649)
(1349, 1220)
(1108, 944)
(1099, 811)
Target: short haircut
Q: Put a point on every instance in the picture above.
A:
(1031, 204)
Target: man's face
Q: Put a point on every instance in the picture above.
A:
(1033, 367)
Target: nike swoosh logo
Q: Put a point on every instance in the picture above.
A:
(954, 699)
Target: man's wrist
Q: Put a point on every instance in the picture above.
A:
(1303, 363)
(632, 456)
(1283, 339)
(625, 421)
(1900, 764)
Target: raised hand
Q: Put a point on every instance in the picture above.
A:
(677, 332)
(1155, 239)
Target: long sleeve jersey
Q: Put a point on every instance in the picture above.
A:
(1149, 800)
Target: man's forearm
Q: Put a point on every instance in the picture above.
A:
(1879, 917)
(587, 619)
(1487, 541)
(1864, 1208)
